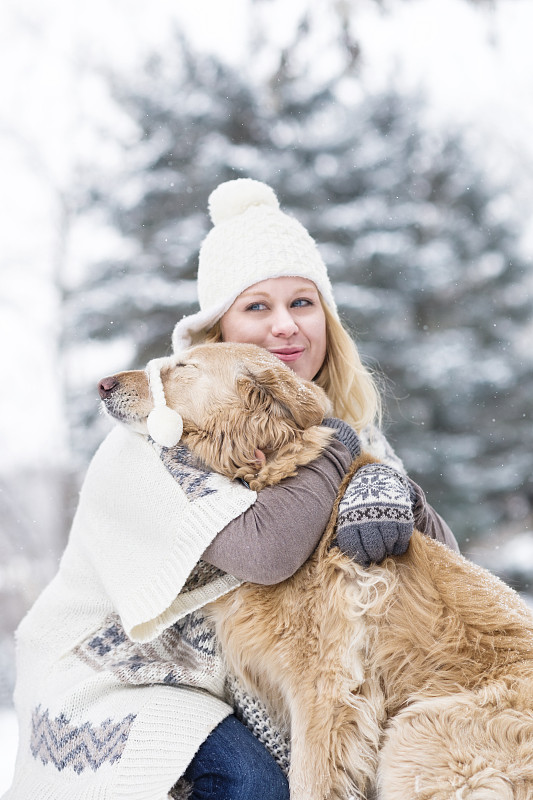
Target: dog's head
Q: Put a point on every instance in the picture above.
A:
(245, 413)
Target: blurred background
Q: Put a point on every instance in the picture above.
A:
(399, 132)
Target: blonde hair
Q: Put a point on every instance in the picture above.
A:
(350, 385)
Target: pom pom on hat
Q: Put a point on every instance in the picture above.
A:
(165, 425)
(233, 198)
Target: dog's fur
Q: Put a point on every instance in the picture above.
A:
(410, 680)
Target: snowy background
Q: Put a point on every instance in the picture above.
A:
(408, 124)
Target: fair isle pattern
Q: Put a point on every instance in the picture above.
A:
(255, 716)
(187, 471)
(181, 790)
(77, 746)
(185, 654)
(201, 575)
(376, 493)
(375, 514)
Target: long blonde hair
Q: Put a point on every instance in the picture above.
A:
(349, 385)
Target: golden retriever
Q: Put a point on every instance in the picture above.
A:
(410, 680)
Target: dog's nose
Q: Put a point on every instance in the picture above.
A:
(106, 386)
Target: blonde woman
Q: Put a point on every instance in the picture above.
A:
(262, 281)
(122, 688)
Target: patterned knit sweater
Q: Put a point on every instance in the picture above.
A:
(120, 677)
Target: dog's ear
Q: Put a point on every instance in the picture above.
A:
(278, 431)
(282, 417)
(309, 404)
(283, 394)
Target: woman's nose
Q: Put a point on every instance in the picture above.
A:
(284, 324)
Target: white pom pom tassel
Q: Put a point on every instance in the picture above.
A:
(233, 198)
(165, 426)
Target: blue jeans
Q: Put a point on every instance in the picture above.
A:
(233, 765)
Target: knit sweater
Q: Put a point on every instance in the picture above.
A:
(120, 677)
(112, 696)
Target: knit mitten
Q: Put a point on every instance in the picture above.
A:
(375, 516)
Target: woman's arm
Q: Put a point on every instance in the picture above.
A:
(274, 537)
(428, 521)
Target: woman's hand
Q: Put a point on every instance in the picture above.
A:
(375, 518)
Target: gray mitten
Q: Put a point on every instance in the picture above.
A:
(375, 516)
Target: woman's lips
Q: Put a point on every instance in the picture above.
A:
(288, 354)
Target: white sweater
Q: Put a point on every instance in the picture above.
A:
(102, 715)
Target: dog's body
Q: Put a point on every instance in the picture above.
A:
(419, 669)
(412, 679)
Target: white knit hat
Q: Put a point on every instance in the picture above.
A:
(252, 240)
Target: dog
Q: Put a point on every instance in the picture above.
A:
(409, 680)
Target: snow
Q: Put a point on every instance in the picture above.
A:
(8, 747)
(474, 65)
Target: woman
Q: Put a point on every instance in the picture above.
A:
(262, 281)
(121, 686)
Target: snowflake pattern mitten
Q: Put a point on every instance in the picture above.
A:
(375, 516)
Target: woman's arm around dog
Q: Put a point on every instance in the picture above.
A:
(274, 537)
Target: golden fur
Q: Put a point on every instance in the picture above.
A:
(234, 400)
(410, 680)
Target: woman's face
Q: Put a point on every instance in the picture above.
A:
(285, 316)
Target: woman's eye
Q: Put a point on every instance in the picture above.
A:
(300, 302)
(256, 307)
